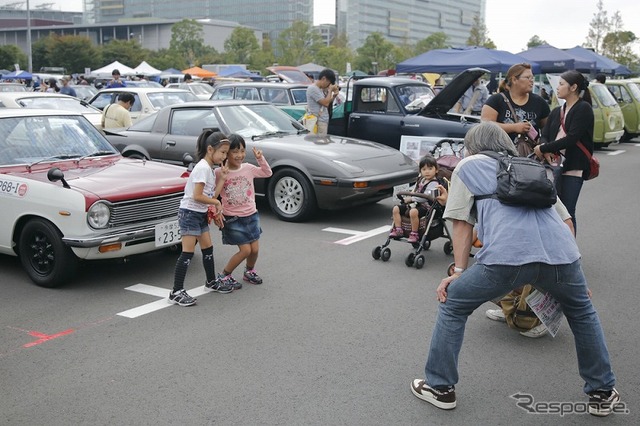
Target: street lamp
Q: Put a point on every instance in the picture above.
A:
(29, 55)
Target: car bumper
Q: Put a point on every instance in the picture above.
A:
(613, 136)
(344, 193)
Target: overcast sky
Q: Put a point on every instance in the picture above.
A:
(511, 23)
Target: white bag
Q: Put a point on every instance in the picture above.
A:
(310, 122)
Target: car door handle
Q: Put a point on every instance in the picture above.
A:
(171, 143)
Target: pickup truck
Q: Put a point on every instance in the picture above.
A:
(383, 109)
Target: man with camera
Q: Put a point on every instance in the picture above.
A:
(320, 96)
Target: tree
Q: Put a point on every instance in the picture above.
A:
(337, 55)
(617, 44)
(264, 57)
(75, 53)
(437, 40)
(166, 58)
(479, 35)
(375, 49)
(298, 44)
(10, 55)
(241, 44)
(598, 28)
(129, 52)
(535, 41)
(187, 39)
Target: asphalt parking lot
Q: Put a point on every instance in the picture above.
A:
(333, 337)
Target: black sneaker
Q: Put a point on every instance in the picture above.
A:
(441, 398)
(602, 403)
(252, 277)
(220, 285)
(182, 298)
(234, 283)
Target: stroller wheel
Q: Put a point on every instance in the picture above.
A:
(410, 259)
(386, 254)
(426, 245)
(419, 261)
(376, 252)
(448, 248)
(450, 268)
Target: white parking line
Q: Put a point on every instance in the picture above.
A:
(357, 235)
(158, 304)
(616, 152)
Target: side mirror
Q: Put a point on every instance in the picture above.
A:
(55, 174)
(187, 159)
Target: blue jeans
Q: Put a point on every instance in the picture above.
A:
(570, 187)
(481, 283)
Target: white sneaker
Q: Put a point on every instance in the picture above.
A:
(535, 332)
(496, 315)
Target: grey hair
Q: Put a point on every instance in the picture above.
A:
(488, 136)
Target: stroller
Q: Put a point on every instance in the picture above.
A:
(430, 227)
(448, 154)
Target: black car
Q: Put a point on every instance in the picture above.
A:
(383, 109)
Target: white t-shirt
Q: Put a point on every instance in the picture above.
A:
(201, 173)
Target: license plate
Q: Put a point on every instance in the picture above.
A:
(167, 234)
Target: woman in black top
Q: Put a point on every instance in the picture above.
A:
(530, 109)
(568, 125)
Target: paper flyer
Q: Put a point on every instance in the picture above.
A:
(547, 309)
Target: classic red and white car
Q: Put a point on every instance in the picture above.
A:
(67, 194)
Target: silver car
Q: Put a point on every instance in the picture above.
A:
(310, 172)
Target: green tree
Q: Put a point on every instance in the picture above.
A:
(39, 50)
(375, 49)
(166, 58)
(535, 41)
(598, 28)
(74, 53)
(618, 43)
(187, 38)
(298, 44)
(264, 57)
(479, 35)
(10, 55)
(129, 52)
(437, 40)
(240, 46)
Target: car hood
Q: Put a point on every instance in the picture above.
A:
(449, 95)
(357, 156)
(115, 180)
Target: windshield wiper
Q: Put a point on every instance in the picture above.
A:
(95, 154)
(54, 157)
(303, 130)
(269, 134)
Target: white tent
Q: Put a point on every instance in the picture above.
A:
(145, 69)
(105, 72)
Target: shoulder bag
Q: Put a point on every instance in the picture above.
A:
(524, 143)
(594, 163)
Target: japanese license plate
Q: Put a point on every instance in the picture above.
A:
(167, 234)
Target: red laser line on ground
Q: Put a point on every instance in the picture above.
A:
(46, 337)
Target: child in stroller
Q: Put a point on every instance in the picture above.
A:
(417, 219)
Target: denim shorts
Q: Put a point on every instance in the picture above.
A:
(241, 230)
(192, 223)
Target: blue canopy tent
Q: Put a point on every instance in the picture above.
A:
(459, 59)
(24, 75)
(554, 60)
(603, 64)
(238, 72)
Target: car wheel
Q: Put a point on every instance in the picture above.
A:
(290, 195)
(47, 260)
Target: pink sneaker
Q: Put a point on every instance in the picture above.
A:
(396, 232)
(413, 237)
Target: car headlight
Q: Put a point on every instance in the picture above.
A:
(98, 215)
(612, 122)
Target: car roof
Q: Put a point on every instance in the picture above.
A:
(20, 95)
(388, 81)
(35, 112)
(221, 102)
(141, 90)
(264, 84)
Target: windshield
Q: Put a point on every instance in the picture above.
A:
(415, 97)
(27, 140)
(603, 94)
(163, 99)
(634, 88)
(198, 89)
(254, 120)
(66, 103)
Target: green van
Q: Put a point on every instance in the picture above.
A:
(627, 93)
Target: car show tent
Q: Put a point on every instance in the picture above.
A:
(105, 72)
(456, 60)
(603, 64)
(199, 72)
(23, 75)
(145, 69)
(554, 60)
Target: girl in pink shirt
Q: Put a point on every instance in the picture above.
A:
(234, 184)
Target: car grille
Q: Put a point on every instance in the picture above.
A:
(132, 212)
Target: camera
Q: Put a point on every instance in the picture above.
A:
(435, 193)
